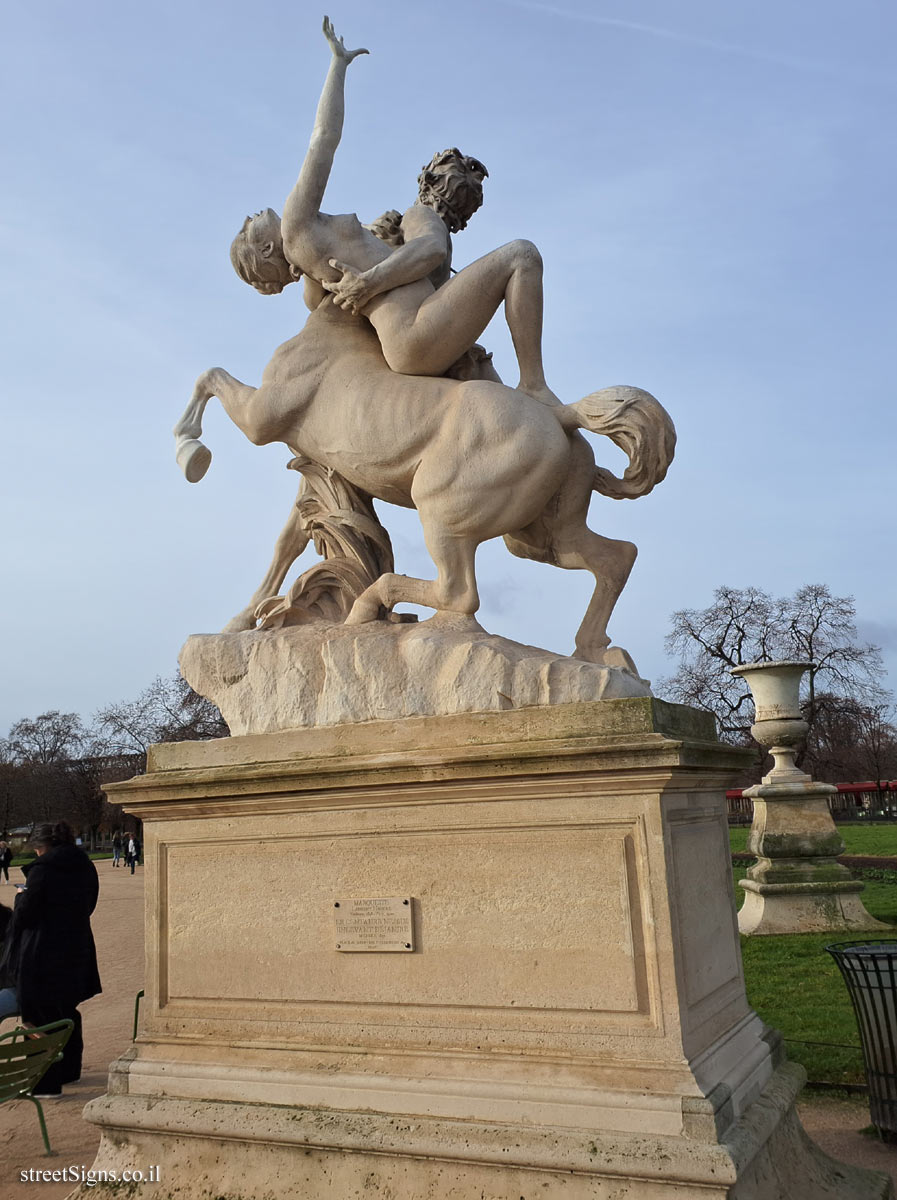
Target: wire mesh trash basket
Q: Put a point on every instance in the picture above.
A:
(870, 972)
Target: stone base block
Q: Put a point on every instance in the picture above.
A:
(208, 1151)
(771, 908)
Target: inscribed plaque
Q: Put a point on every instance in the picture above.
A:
(373, 923)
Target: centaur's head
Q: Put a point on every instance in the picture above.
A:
(452, 185)
(257, 254)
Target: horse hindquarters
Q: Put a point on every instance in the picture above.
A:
(493, 465)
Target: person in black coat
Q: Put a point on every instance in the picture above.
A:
(49, 955)
(5, 860)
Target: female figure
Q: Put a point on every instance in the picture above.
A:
(49, 958)
(423, 327)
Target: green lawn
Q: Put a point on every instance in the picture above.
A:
(796, 987)
(858, 839)
(21, 859)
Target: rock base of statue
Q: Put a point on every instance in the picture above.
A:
(318, 674)
(438, 958)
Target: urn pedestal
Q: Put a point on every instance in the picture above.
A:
(558, 1011)
(797, 885)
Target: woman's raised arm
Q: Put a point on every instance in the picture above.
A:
(304, 202)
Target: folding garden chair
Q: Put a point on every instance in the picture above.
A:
(25, 1055)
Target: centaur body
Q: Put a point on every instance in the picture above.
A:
(476, 458)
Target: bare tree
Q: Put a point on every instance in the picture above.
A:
(12, 809)
(167, 711)
(50, 738)
(748, 625)
(52, 767)
(821, 628)
(738, 627)
(851, 741)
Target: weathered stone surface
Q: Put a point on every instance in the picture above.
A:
(266, 681)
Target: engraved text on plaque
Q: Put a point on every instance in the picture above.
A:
(376, 923)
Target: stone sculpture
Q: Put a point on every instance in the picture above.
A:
(385, 389)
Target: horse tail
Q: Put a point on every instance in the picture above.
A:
(639, 425)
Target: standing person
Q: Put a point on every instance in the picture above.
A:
(116, 848)
(5, 860)
(133, 851)
(49, 956)
(9, 1004)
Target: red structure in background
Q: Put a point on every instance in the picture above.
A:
(868, 801)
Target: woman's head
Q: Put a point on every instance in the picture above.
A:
(46, 836)
(257, 254)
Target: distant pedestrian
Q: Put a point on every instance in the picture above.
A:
(116, 849)
(134, 849)
(5, 860)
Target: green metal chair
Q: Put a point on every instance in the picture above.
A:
(25, 1055)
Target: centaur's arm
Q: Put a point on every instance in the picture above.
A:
(304, 202)
(427, 246)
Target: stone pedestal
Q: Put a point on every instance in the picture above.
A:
(797, 885)
(570, 1021)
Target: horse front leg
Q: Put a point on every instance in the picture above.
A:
(454, 590)
(192, 456)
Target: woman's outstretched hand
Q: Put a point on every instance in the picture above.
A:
(336, 43)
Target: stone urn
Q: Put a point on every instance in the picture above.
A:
(797, 885)
(778, 721)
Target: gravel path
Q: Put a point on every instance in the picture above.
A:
(118, 930)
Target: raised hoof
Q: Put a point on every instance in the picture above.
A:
(193, 458)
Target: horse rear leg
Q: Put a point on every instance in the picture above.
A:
(562, 537)
(453, 590)
(610, 561)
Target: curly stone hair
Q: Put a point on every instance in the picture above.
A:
(452, 185)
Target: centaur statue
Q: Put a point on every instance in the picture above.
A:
(384, 394)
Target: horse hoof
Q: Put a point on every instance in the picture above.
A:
(193, 458)
(363, 612)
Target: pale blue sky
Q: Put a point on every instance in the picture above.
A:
(712, 187)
